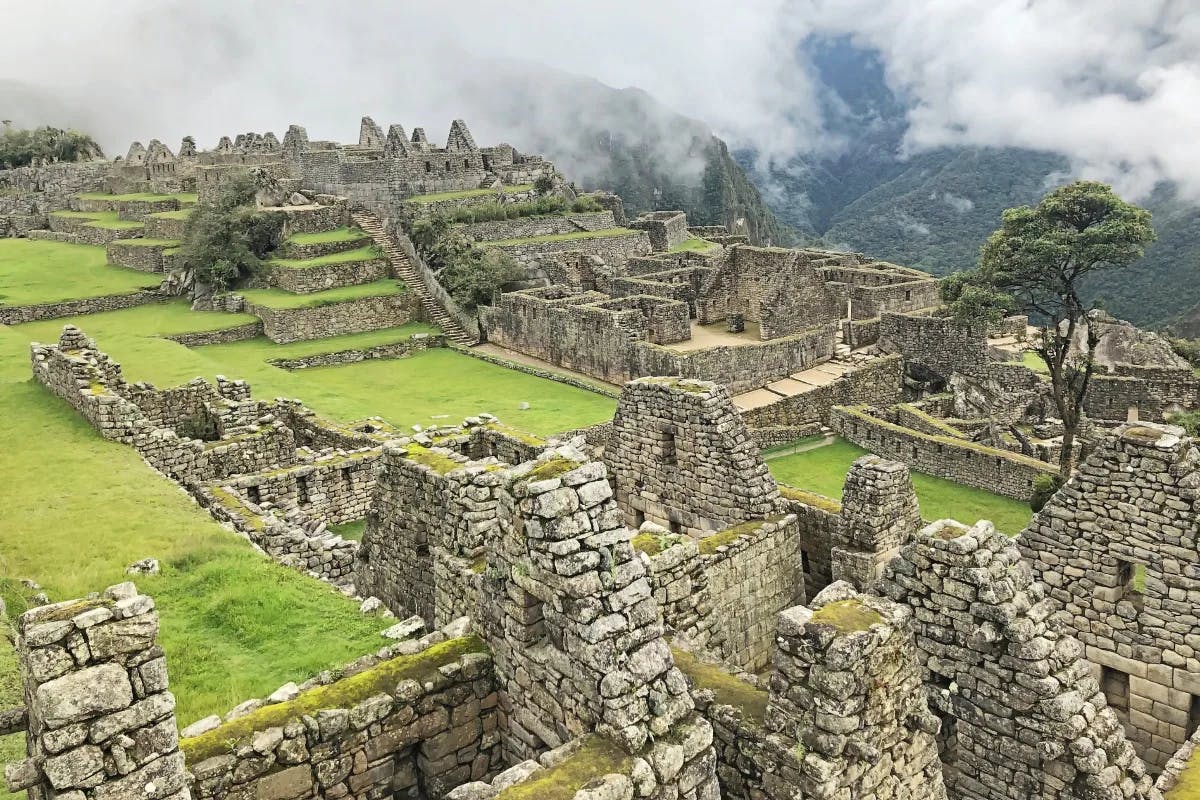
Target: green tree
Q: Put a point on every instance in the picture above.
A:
(1035, 262)
(471, 274)
(224, 241)
(20, 146)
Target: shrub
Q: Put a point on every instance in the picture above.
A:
(544, 184)
(586, 204)
(224, 241)
(491, 212)
(472, 275)
(1188, 349)
(1188, 420)
(1044, 487)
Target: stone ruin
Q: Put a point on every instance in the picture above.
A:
(578, 612)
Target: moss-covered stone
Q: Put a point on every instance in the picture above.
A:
(810, 499)
(848, 616)
(726, 689)
(345, 693)
(548, 470)
(597, 757)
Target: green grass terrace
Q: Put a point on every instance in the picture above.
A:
(279, 299)
(465, 194)
(36, 272)
(694, 244)
(99, 219)
(823, 469)
(367, 253)
(563, 237)
(185, 198)
(323, 237)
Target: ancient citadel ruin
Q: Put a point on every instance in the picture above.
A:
(636, 609)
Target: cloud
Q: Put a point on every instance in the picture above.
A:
(1109, 83)
(1105, 82)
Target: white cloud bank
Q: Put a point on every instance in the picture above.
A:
(1114, 85)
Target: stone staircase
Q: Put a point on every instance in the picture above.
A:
(403, 268)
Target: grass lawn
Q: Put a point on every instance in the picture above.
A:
(144, 242)
(77, 509)
(432, 387)
(183, 197)
(563, 237)
(1034, 361)
(12, 748)
(435, 197)
(99, 219)
(321, 237)
(350, 530)
(367, 253)
(279, 299)
(823, 470)
(34, 272)
(694, 244)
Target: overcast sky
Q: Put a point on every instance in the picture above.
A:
(1113, 84)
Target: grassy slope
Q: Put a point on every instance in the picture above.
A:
(277, 298)
(99, 219)
(823, 470)
(694, 244)
(78, 509)
(46, 272)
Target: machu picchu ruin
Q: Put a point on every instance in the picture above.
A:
(423, 468)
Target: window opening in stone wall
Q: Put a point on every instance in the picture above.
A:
(639, 517)
(908, 294)
(346, 477)
(674, 526)
(447, 166)
(254, 494)
(1131, 581)
(669, 455)
(466, 164)
(302, 490)
(428, 167)
(805, 564)
(1193, 720)
(1115, 685)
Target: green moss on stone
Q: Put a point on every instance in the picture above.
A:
(551, 469)
(72, 610)
(435, 461)
(848, 616)
(346, 693)
(709, 544)
(726, 689)
(597, 757)
(810, 499)
(652, 543)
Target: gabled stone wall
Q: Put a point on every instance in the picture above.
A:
(681, 457)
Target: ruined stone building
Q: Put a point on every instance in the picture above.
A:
(579, 616)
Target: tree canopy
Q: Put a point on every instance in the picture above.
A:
(1035, 263)
(225, 240)
(19, 147)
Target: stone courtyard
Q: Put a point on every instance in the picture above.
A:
(635, 608)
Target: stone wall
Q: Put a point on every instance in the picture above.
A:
(681, 458)
(318, 278)
(1145, 392)
(575, 633)
(1021, 714)
(28, 194)
(528, 227)
(879, 513)
(936, 346)
(615, 249)
(18, 315)
(666, 229)
(283, 325)
(877, 383)
(846, 708)
(415, 344)
(723, 594)
(1116, 548)
(239, 333)
(968, 463)
(413, 721)
(101, 721)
